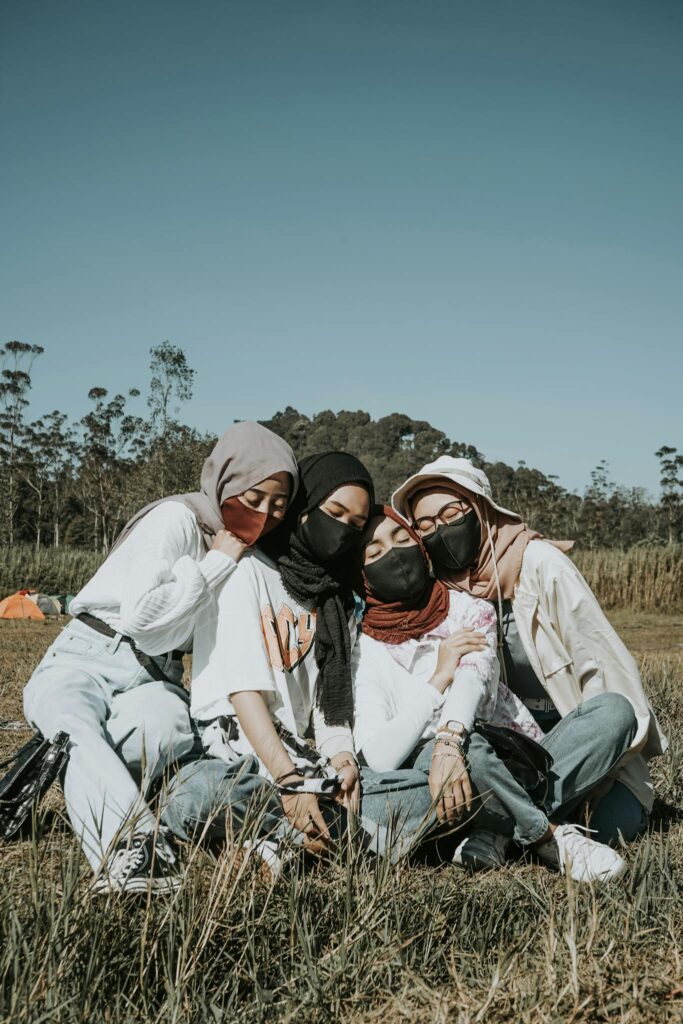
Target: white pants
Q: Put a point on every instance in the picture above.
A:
(119, 720)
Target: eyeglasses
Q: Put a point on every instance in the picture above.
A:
(450, 513)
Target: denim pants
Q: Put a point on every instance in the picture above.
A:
(125, 729)
(210, 799)
(585, 746)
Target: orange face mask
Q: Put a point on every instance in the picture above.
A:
(247, 524)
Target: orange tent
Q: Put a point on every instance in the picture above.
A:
(20, 606)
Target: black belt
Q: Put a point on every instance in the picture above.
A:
(146, 660)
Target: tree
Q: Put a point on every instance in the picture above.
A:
(16, 358)
(111, 441)
(670, 465)
(172, 379)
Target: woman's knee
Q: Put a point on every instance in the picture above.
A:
(56, 701)
(150, 731)
(617, 714)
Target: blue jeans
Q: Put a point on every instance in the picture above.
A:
(209, 799)
(585, 745)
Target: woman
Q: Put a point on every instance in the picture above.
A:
(559, 649)
(273, 664)
(112, 678)
(426, 671)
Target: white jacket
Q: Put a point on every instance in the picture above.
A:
(576, 653)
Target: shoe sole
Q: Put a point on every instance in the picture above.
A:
(104, 887)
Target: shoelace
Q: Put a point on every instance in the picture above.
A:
(127, 861)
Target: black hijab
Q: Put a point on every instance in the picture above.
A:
(328, 586)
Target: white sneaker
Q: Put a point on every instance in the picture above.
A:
(585, 860)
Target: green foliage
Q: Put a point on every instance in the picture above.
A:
(51, 570)
(79, 483)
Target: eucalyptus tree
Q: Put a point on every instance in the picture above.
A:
(16, 360)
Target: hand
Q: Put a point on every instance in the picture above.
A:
(449, 784)
(304, 814)
(451, 650)
(349, 776)
(229, 544)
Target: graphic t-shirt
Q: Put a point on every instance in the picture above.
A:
(255, 636)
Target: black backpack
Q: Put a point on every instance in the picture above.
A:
(35, 766)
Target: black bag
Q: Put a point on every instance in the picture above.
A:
(35, 766)
(527, 761)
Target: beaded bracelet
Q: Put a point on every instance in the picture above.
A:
(449, 744)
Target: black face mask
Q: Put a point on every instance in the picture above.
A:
(326, 538)
(400, 575)
(454, 546)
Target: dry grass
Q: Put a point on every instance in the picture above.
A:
(358, 941)
(643, 579)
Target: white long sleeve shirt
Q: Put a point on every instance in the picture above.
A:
(255, 636)
(156, 584)
(397, 707)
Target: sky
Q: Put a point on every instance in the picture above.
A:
(471, 213)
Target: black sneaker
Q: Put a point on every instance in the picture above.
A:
(481, 851)
(145, 863)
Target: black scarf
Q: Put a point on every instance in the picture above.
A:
(329, 586)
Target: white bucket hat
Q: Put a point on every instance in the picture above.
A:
(446, 469)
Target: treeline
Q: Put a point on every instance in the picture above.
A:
(76, 482)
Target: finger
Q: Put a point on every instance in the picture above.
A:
(467, 792)
(458, 801)
(319, 823)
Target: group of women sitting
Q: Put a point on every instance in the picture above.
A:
(394, 673)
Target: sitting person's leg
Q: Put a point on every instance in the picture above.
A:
(72, 691)
(586, 745)
(501, 807)
(209, 799)
(150, 728)
(397, 811)
(618, 815)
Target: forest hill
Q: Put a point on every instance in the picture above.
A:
(77, 482)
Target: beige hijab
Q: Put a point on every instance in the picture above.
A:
(503, 543)
(246, 454)
(504, 536)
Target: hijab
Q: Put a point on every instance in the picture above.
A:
(329, 586)
(397, 621)
(504, 537)
(246, 454)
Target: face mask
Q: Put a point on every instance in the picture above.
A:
(326, 538)
(456, 545)
(400, 575)
(246, 523)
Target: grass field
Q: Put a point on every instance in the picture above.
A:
(357, 940)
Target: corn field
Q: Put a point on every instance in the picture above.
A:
(644, 578)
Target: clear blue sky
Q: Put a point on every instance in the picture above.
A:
(467, 212)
